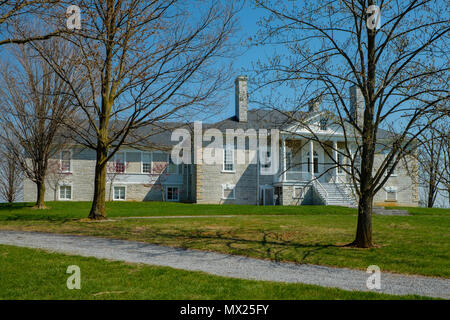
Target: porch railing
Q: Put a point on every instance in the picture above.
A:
(294, 176)
(297, 176)
(318, 185)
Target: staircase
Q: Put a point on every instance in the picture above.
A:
(335, 195)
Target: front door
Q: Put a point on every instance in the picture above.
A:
(267, 198)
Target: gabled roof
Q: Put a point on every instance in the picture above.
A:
(274, 119)
(159, 134)
(263, 119)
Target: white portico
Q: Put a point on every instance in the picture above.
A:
(304, 159)
(308, 166)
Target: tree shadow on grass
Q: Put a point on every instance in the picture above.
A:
(268, 245)
(5, 207)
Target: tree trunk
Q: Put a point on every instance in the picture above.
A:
(40, 204)
(11, 181)
(430, 199)
(98, 209)
(431, 185)
(110, 191)
(364, 229)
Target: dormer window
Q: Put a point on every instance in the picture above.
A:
(323, 124)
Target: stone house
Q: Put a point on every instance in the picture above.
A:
(309, 170)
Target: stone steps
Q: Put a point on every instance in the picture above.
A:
(335, 195)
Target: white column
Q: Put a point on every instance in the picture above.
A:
(335, 159)
(311, 158)
(283, 157)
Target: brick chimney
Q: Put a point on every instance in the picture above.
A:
(241, 96)
(357, 105)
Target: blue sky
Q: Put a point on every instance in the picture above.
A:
(248, 18)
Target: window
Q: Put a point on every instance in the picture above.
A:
(146, 162)
(391, 195)
(65, 192)
(65, 161)
(323, 124)
(288, 160)
(228, 191)
(228, 159)
(159, 162)
(173, 194)
(315, 161)
(266, 161)
(298, 192)
(119, 162)
(119, 193)
(339, 162)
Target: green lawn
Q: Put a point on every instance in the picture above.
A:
(416, 244)
(43, 275)
(61, 210)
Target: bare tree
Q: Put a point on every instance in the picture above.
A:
(13, 14)
(398, 70)
(145, 62)
(10, 176)
(431, 157)
(446, 160)
(34, 106)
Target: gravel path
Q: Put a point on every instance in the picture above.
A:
(196, 217)
(176, 217)
(225, 265)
